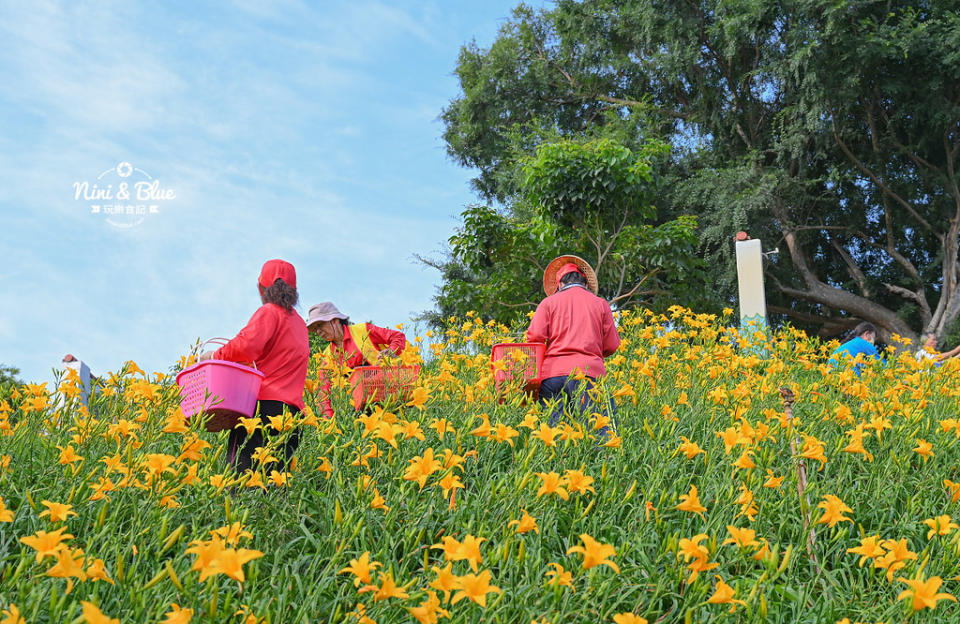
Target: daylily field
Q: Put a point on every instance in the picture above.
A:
(714, 501)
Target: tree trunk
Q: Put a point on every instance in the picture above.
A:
(818, 291)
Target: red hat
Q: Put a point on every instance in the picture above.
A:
(277, 269)
(567, 269)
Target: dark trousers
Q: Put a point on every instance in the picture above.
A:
(572, 396)
(240, 446)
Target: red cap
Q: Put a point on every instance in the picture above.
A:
(277, 269)
(567, 268)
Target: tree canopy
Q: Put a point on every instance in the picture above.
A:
(592, 198)
(828, 129)
(9, 375)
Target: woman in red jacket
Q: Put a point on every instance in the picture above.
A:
(350, 345)
(276, 340)
(579, 331)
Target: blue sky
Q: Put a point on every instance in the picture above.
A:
(305, 131)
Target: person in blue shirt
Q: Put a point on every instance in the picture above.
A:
(864, 336)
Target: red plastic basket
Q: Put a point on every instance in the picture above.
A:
(373, 384)
(225, 390)
(523, 361)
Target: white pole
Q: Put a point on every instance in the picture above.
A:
(753, 304)
(83, 372)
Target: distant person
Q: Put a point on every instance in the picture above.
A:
(276, 340)
(928, 350)
(864, 335)
(579, 331)
(360, 344)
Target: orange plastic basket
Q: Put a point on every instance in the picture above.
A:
(522, 362)
(373, 384)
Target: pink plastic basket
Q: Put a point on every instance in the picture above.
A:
(225, 390)
(525, 368)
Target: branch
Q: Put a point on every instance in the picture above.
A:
(731, 85)
(642, 293)
(634, 289)
(575, 88)
(613, 238)
(623, 275)
(793, 245)
(890, 248)
(918, 160)
(596, 245)
(830, 296)
(829, 325)
(852, 267)
(818, 228)
(880, 184)
(638, 104)
(535, 261)
(525, 304)
(906, 293)
(840, 299)
(433, 264)
(892, 251)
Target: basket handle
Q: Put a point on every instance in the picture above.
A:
(216, 341)
(221, 342)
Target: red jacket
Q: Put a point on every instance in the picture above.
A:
(351, 356)
(277, 341)
(579, 330)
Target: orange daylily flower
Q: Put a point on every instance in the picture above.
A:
(689, 449)
(724, 594)
(743, 538)
(388, 588)
(923, 593)
(47, 544)
(58, 512)
(595, 553)
(691, 502)
(941, 525)
(176, 615)
(361, 569)
(421, 468)
(526, 523)
(93, 615)
(475, 587)
(869, 548)
(553, 483)
(446, 580)
(833, 510)
(557, 576)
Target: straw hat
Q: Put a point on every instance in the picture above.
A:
(553, 270)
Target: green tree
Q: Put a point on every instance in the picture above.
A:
(592, 198)
(602, 194)
(9, 376)
(829, 129)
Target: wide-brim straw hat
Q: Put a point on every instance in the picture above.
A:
(550, 273)
(325, 311)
